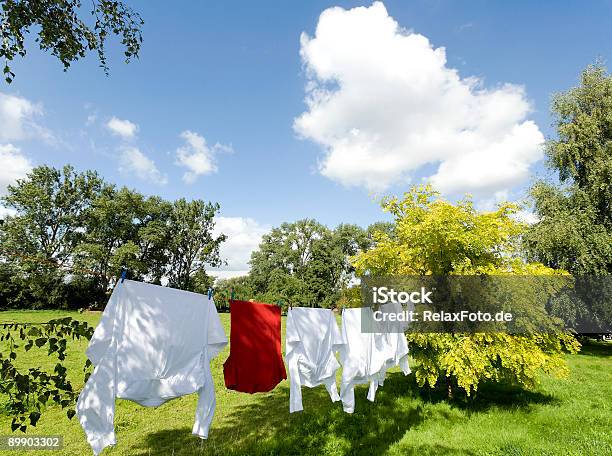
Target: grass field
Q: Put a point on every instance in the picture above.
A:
(562, 417)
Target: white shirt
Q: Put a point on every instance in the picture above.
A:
(152, 344)
(396, 341)
(312, 340)
(366, 357)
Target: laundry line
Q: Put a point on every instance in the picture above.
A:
(154, 344)
(47, 262)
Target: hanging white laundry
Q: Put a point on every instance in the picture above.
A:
(311, 342)
(152, 344)
(396, 340)
(366, 356)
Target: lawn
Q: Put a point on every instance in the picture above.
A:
(562, 417)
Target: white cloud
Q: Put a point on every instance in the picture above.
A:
(91, 119)
(6, 212)
(228, 274)
(133, 161)
(197, 156)
(243, 237)
(17, 118)
(492, 201)
(383, 103)
(527, 216)
(123, 128)
(15, 166)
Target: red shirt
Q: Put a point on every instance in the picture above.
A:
(255, 363)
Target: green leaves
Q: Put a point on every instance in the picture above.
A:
(434, 236)
(63, 32)
(40, 342)
(69, 221)
(305, 263)
(29, 391)
(191, 244)
(574, 230)
(34, 417)
(40, 240)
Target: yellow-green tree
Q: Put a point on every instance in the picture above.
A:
(434, 236)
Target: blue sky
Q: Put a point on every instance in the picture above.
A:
(237, 73)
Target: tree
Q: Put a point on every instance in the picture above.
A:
(150, 237)
(72, 233)
(280, 264)
(64, 32)
(305, 263)
(191, 242)
(241, 287)
(50, 207)
(380, 227)
(124, 229)
(574, 230)
(435, 237)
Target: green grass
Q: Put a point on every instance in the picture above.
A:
(562, 417)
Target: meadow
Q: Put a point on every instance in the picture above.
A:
(570, 416)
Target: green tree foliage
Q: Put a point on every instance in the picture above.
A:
(374, 229)
(72, 233)
(305, 263)
(51, 205)
(191, 243)
(241, 287)
(124, 229)
(433, 236)
(63, 30)
(574, 231)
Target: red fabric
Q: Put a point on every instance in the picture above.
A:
(255, 363)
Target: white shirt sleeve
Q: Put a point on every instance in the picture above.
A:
(95, 406)
(337, 345)
(347, 389)
(207, 400)
(103, 334)
(292, 341)
(217, 340)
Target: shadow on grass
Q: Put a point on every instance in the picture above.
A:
(596, 348)
(265, 427)
(488, 396)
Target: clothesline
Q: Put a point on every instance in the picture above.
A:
(174, 335)
(54, 264)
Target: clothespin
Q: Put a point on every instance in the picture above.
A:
(123, 273)
(210, 292)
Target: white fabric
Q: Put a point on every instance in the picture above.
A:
(366, 357)
(312, 339)
(152, 344)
